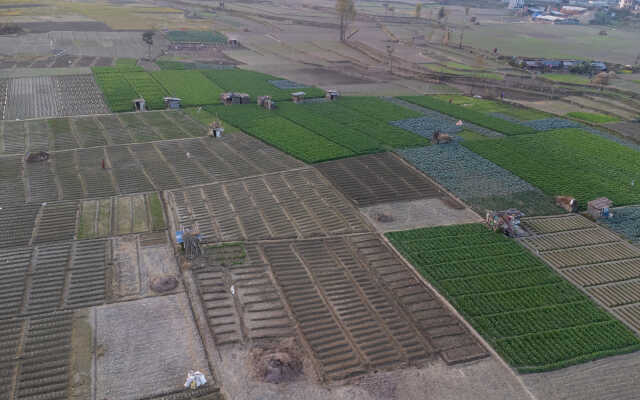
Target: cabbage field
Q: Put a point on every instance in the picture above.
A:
(535, 319)
(568, 162)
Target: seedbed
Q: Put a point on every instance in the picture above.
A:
(79, 95)
(97, 181)
(67, 174)
(13, 191)
(14, 135)
(296, 204)
(592, 257)
(115, 130)
(18, 222)
(89, 132)
(378, 178)
(63, 138)
(535, 319)
(190, 126)
(139, 129)
(163, 125)
(568, 162)
(128, 170)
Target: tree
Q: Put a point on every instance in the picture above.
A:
(346, 13)
(147, 37)
(418, 10)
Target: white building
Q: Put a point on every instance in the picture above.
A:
(516, 3)
(625, 4)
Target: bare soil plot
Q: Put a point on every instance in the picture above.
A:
(378, 178)
(46, 96)
(166, 345)
(592, 257)
(120, 216)
(138, 262)
(357, 307)
(287, 205)
(17, 222)
(36, 355)
(3, 97)
(11, 182)
(628, 130)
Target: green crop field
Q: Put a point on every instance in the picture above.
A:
(175, 65)
(147, 88)
(197, 36)
(376, 108)
(281, 133)
(254, 83)
(535, 319)
(491, 106)
(568, 162)
(117, 91)
(592, 117)
(126, 62)
(464, 113)
(191, 86)
(386, 134)
(350, 138)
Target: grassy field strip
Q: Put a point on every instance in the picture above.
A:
(593, 117)
(120, 216)
(568, 162)
(535, 319)
(190, 86)
(467, 114)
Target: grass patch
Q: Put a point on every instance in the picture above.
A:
(254, 83)
(196, 36)
(535, 319)
(104, 218)
(568, 78)
(157, 215)
(568, 162)
(476, 117)
(592, 117)
(470, 135)
(126, 62)
(175, 65)
(86, 225)
(123, 215)
(492, 106)
(139, 214)
(148, 88)
(117, 91)
(206, 118)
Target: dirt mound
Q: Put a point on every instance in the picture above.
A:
(276, 364)
(164, 284)
(384, 218)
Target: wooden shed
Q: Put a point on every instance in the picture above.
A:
(139, 104)
(235, 98)
(266, 102)
(172, 103)
(332, 94)
(599, 207)
(298, 97)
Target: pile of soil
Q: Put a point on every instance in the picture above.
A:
(163, 284)
(384, 218)
(280, 363)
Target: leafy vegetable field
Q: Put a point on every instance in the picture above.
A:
(191, 86)
(117, 91)
(534, 318)
(468, 114)
(253, 83)
(281, 133)
(492, 106)
(568, 162)
(625, 221)
(147, 88)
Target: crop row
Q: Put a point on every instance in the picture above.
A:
(281, 133)
(568, 162)
(531, 316)
(467, 114)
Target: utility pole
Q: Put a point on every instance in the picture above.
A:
(390, 50)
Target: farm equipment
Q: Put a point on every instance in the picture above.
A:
(570, 204)
(507, 222)
(36, 157)
(439, 138)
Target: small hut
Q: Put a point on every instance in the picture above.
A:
(216, 129)
(332, 94)
(139, 104)
(298, 97)
(233, 43)
(235, 98)
(172, 103)
(599, 207)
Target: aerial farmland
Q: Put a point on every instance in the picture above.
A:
(319, 200)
